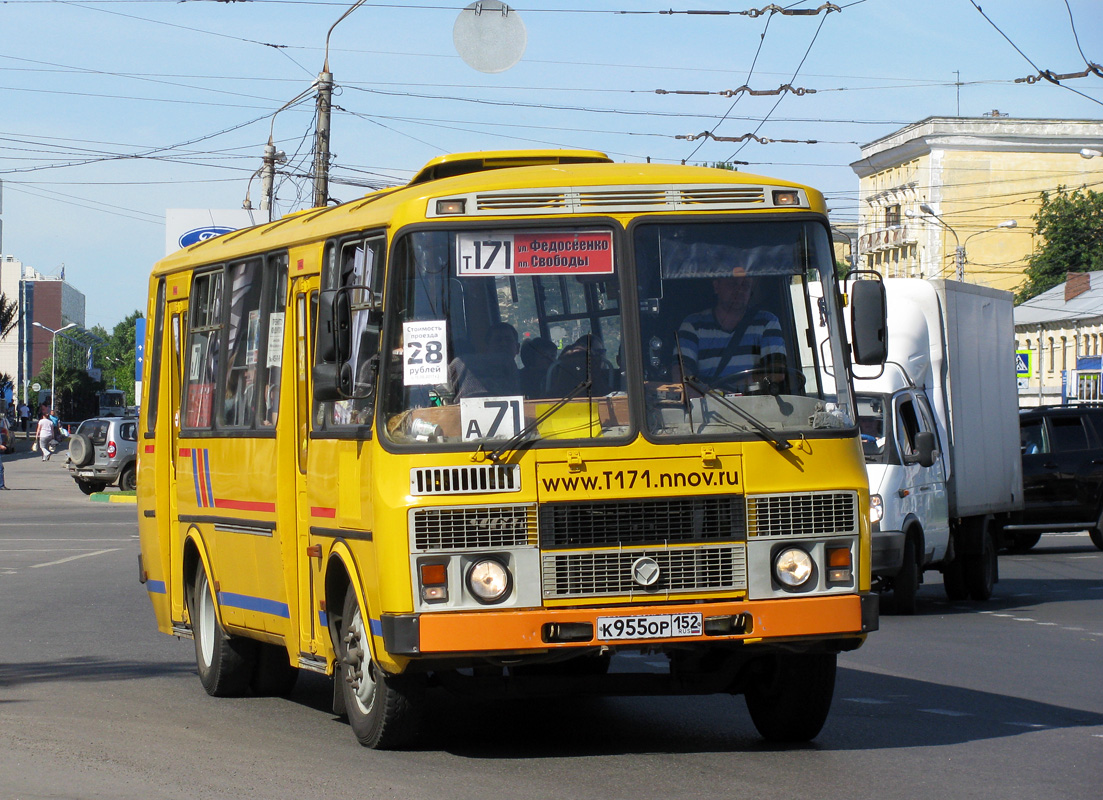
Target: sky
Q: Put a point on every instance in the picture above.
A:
(112, 111)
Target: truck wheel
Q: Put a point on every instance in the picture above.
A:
(225, 662)
(382, 709)
(906, 583)
(953, 580)
(790, 702)
(980, 570)
(1097, 537)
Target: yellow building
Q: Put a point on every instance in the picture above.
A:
(954, 196)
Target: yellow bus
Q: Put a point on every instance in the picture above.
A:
(490, 429)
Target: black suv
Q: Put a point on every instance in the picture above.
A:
(1062, 452)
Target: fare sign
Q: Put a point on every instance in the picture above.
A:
(535, 253)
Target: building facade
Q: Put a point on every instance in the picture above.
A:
(956, 195)
(45, 299)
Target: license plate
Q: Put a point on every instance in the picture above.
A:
(653, 626)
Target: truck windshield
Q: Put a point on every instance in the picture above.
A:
(736, 336)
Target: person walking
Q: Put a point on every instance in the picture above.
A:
(25, 417)
(45, 434)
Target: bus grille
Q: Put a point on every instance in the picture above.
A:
(802, 514)
(609, 572)
(473, 527)
(468, 479)
(635, 523)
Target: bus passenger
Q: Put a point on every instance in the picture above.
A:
(581, 360)
(492, 372)
(537, 356)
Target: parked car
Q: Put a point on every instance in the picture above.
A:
(1062, 453)
(104, 451)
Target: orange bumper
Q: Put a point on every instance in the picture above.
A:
(504, 631)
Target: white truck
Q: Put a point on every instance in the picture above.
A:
(940, 431)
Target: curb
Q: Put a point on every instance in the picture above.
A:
(104, 497)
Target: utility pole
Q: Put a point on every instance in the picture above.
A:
(321, 136)
(267, 175)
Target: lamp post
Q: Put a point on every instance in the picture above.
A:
(1007, 223)
(959, 251)
(53, 356)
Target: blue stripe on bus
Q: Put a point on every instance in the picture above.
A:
(156, 587)
(195, 476)
(376, 627)
(249, 603)
(207, 472)
(323, 619)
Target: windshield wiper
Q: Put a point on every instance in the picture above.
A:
(513, 442)
(780, 442)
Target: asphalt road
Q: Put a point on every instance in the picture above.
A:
(1003, 699)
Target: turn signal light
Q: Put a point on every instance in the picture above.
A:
(839, 567)
(434, 582)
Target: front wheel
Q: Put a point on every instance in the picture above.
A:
(790, 702)
(382, 709)
(1097, 537)
(905, 585)
(225, 662)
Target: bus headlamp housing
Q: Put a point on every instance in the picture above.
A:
(793, 567)
(489, 581)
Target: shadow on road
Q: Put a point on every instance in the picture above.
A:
(84, 669)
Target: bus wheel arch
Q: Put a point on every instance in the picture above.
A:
(225, 662)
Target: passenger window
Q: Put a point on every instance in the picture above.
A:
(203, 345)
(907, 427)
(1068, 434)
(129, 432)
(242, 345)
(1032, 438)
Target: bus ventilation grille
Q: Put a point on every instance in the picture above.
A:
(641, 523)
(802, 514)
(658, 198)
(609, 572)
(474, 479)
(473, 527)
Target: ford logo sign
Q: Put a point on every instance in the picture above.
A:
(202, 234)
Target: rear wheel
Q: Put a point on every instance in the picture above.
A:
(791, 701)
(953, 580)
(980, 569)
(382, 709)
(128, 480)
(225, 662)
(90, 487)
(1097, 537)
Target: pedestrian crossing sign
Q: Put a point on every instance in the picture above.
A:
(1022, 363)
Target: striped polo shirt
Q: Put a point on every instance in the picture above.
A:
(703, 343)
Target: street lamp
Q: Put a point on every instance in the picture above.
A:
(959, 251)
(53, 356)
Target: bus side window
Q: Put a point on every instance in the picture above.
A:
(203, 349)
(273, 340)
(242, 346)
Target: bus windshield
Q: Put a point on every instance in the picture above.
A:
(520, 334)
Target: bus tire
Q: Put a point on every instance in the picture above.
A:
(789, 703)
(383, 710)
(225, 662)
(273, 676)
(980, 569)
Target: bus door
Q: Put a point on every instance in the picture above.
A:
(338, 471)
(177, 315)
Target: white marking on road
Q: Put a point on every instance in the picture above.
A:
(1023, 619)
(873, 701)
(946, 712)
(1027, 724)
(73, 558)
(1048, 623)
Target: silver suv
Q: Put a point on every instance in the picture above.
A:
(102, 451)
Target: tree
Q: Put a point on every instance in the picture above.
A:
(9, 315)
(1070, 225)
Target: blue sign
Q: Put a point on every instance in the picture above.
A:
(202, 234)
(139, 346)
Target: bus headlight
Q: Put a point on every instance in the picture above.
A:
(876, 508)
(489, 581)
(793, 567)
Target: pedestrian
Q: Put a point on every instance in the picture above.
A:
(7, 442)
(25, 417)
(45, 435)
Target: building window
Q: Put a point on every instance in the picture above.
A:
(1052, 353)
(1064, 353)
(892, 215)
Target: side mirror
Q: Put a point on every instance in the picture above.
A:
(327, 386)
(924, 443)
(869, 322)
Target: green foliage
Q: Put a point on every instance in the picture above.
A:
(724, 165)
(116, 356)
(9, 315)
(1070, 226)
